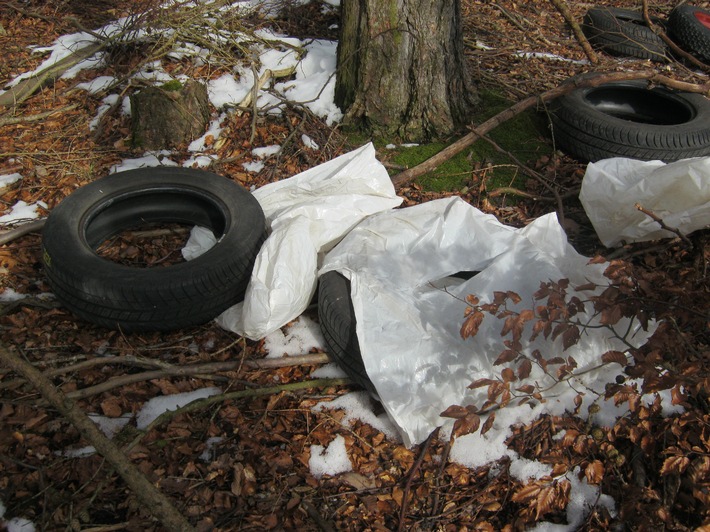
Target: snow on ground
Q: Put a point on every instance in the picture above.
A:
(330, 460)
(16, 524)
(22, 211)
(298, 339)
(164, 403)
(8, 179)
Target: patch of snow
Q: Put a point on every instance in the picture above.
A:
(329, 371)
(227, 90)
(8, 179)
(208, 454)
(255, 166)
(153, 408)
(81, 452)
(214, 130)
(266, 151)
(358, 406)
(314, 85)
(22, 211)
(553, 57)
(8, 295)
(301, 336)
(108, 102)
(331, 460)
(199, 161)
(110, 425)
(308, 142)
(126, 106)
(148, 160)
(97, 84)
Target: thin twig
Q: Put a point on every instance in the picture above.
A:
(536, 175)
(658, 219)
(11, 120)
(410, 477)
(561, 6)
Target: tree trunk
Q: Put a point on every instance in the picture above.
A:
(401, 69)
(168, 116)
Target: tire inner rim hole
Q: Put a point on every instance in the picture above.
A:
(640, 105)
(147, 245)
(150, 228)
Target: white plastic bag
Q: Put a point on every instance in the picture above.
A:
(409, 331)
(678, 193)
(307, 215)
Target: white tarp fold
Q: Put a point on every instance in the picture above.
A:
(307, 215)
(678, 193)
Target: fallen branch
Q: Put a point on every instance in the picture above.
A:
(578, 33)
(197, 369)
(152, 499)
(658, 219)
(27, 87)
(586, 80)
(21, 230)
(11, 120)
(410, 477)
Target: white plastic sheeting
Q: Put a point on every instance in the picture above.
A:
(307, 215)
(409, 330)
(678, 193)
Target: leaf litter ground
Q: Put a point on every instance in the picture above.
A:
(261, 461)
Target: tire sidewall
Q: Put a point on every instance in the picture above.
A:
(64, 241)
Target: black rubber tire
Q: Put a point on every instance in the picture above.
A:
(337, 322)
(147, 299)
(622, 32)
(627, 119)
(690, 28)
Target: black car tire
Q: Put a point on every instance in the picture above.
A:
(622, 32)
(143, 299)
(629, 119)
(690, 27)
(338, 324)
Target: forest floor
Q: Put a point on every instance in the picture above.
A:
(655, 468)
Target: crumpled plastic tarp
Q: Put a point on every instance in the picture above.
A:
(306, 214)
(408, 308)
(408, 327)
(678, 193)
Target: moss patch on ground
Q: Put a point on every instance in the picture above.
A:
(525, 136)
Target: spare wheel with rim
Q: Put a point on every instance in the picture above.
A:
(631, 119)
(133, 298)
(690, 26)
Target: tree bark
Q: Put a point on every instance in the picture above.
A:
(163, 117)
(401, 68)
